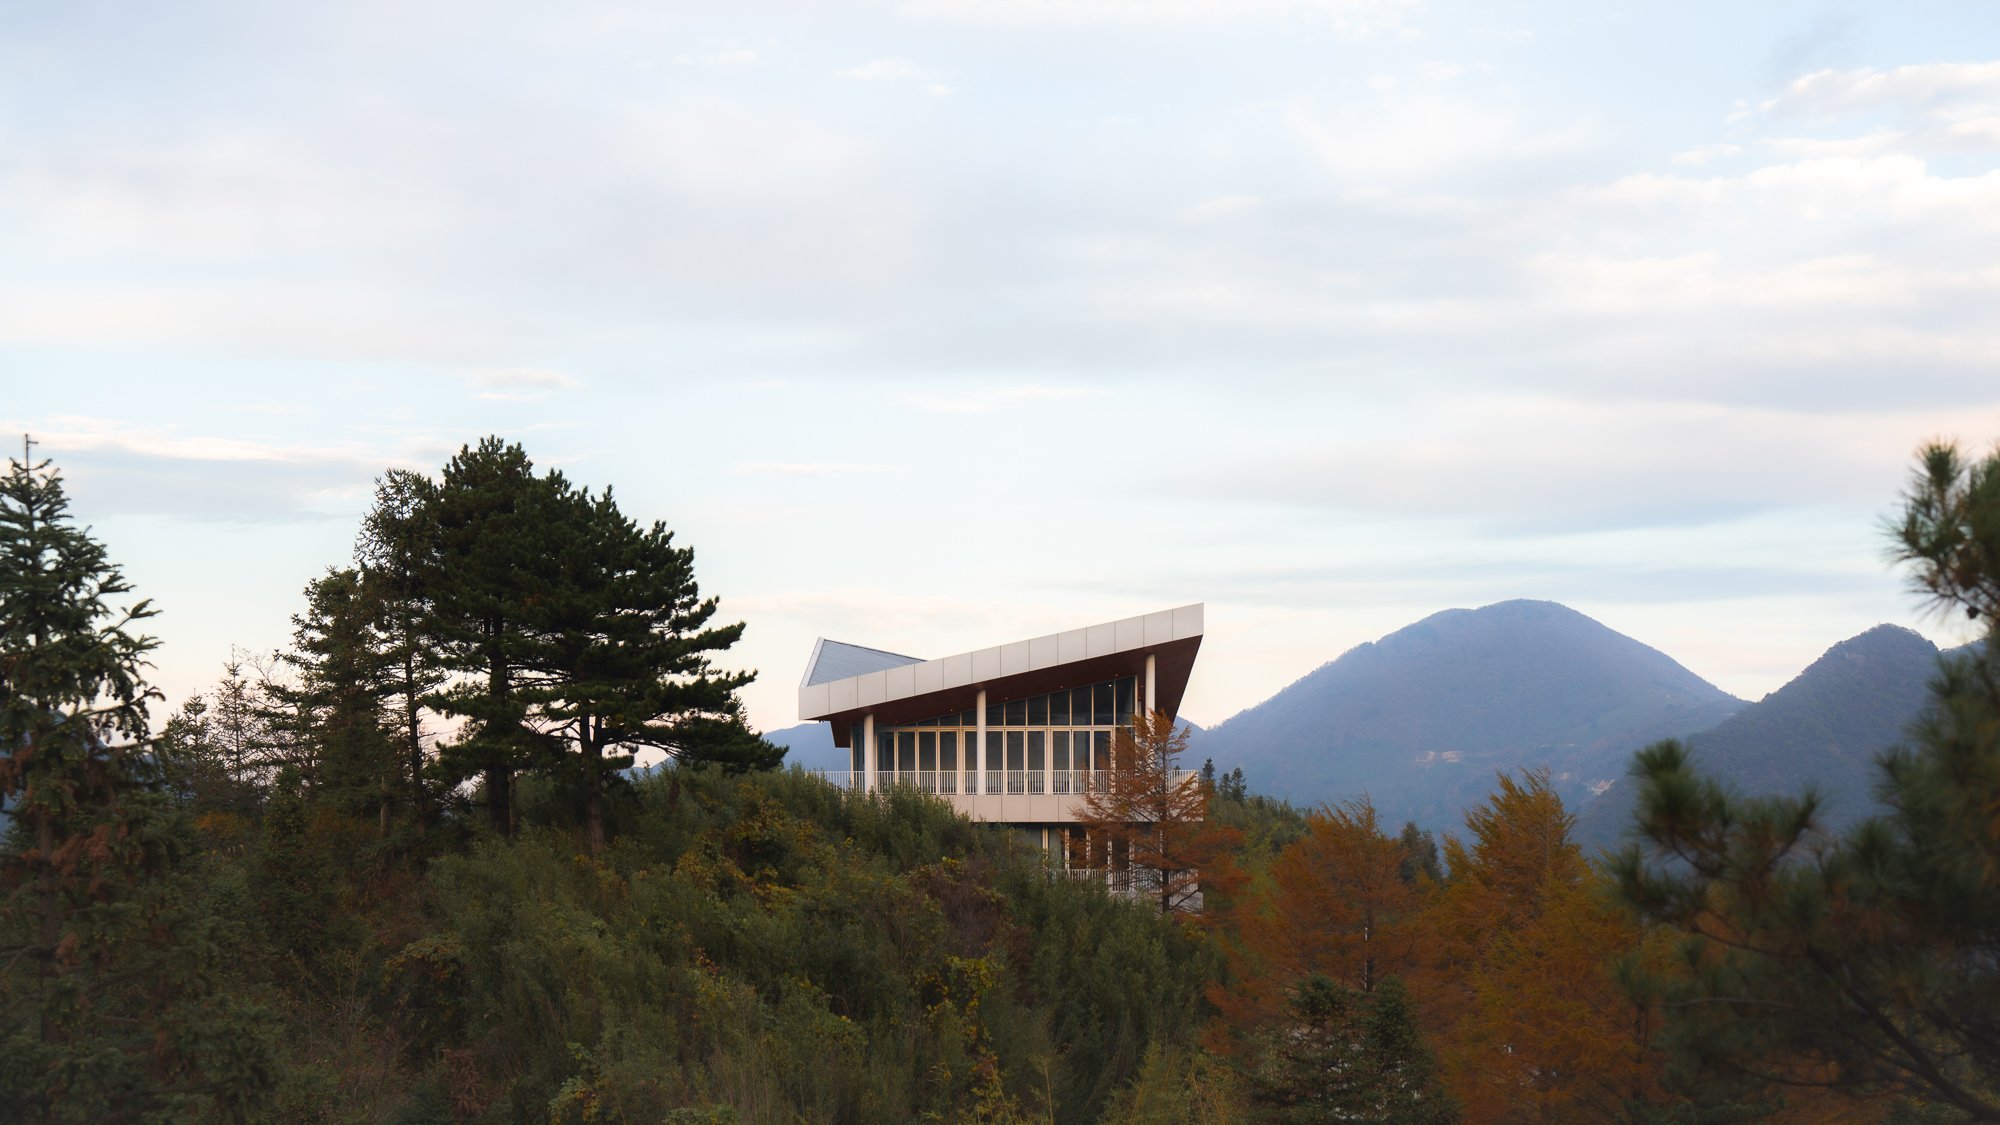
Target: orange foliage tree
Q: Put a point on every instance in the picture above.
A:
(1536, 1027)
(1336, 904)
(1147, 819)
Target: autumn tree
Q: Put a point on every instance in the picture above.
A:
(1535, 1024)
(1147, 818)
(1335, 904)
(1337, 917)
(1867, 962)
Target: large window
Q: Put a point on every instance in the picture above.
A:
(1043, 744)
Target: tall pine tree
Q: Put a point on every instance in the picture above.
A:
(628, 651)
(497, 536)
(393, 549)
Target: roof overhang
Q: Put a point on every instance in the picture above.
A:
(913, 692)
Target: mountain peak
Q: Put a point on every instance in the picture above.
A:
(1825, 727)
(1424, 716)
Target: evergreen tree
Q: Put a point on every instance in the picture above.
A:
(497, 535)
(346, 676)
(1343, 1055)
(1867, 962)
(628, 652)
(395, 545)
(1420, 855)
(1407, 1089)
(104, 1005)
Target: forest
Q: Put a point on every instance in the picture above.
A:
(409, 870)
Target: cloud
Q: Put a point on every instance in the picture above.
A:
(1396, 137)
(123, 468)
(1705, 153)
(974, 402)
(801, 469)
(1927, 87)
(1355, 18)
(1526, 464)
(897, 70)
(733, 58)
(884, 70)
(521, 384)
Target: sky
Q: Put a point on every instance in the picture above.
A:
(937, 324)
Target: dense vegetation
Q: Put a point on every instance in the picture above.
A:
(403, 874)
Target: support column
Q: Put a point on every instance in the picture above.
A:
(1151, 695)
(978, 756)
(868, 752)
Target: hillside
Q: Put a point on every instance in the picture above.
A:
(1421, 720)
(1824, 728)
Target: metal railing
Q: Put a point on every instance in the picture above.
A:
(1013, 782)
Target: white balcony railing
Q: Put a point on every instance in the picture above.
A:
(1062, 783)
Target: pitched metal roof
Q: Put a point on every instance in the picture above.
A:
(837, 660)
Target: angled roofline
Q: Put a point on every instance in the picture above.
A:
(914, 691)
(877, 657)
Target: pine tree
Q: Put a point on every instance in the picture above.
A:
(1867, 962)
(627, 659)
(346, 676)
(98, 958)
(395, 546)
(1343, 1055)
(497, 533)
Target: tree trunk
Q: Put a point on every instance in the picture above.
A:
(499, 806)
(593, 786)
(499, 778)
(419, 803)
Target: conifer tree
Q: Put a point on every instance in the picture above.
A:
(98, 959)
(1534, 1023)
(1344, 1055)
(628, 651)
(497, 532)
(1148, 819)
(395, 545)
(1867, 962)
(1339, 905)
(345, 677)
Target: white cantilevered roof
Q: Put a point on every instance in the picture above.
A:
(907, 687)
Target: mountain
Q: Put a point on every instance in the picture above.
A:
(809, 745)
(1824, 728)
(1421, 720)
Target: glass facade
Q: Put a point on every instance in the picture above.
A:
(1047, 744)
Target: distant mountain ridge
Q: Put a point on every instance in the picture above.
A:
(1422, 719)
(1826, 727)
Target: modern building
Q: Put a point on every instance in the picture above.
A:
(1008, 734)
